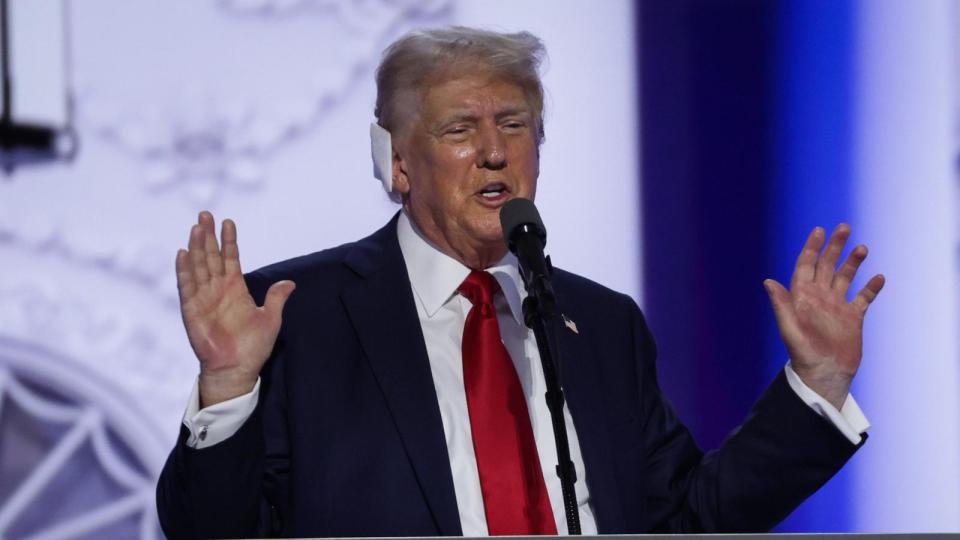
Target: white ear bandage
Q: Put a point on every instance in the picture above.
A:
(381, 150)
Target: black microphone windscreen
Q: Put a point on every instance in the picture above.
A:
(519, 211)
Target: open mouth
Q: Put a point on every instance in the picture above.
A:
(494, 191)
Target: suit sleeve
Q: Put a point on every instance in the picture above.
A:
(232, 489)
(780, 455)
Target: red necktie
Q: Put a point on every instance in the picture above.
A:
(515, 497)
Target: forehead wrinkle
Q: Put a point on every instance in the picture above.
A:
(514, 110)
(460, 116)
(473, 103)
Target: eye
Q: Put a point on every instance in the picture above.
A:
(513, 125)
(457, 133)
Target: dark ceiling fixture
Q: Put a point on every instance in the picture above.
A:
(24, 141)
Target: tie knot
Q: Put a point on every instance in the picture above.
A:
(479, 288)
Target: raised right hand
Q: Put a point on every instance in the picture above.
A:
(230, 335)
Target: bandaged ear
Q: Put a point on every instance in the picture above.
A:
(381, 150)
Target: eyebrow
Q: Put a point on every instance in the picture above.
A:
(513, 111)
(472, 117)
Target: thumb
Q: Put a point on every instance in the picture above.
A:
(277, 296)
(780, 300)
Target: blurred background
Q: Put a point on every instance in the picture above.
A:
(691, 146)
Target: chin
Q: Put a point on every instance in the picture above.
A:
(489, 231)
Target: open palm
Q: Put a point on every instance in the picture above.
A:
(823, 332)
(231, 336)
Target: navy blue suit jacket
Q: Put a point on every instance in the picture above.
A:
(347, 438)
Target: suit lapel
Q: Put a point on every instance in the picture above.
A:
(583, 389)
(382, 309)
(381, 306)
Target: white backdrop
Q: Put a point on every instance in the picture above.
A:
(257, 110)
(905, 194)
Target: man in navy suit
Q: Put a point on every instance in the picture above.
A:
(350, 408)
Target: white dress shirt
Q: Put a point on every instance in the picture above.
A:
(434, 279)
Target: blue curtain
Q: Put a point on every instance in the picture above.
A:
(745, 117)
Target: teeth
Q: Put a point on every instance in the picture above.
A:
(493, 190)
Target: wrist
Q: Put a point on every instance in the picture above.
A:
(828, 384)
(222, 386)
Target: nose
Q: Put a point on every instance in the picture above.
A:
(492, 153)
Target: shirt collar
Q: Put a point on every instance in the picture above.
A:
(435, 276)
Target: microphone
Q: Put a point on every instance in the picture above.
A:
(526, 237)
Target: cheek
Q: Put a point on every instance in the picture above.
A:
(463, 155)
(529, 156)
(456, 166)
(449, 157)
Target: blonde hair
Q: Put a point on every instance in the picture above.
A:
(422, 57)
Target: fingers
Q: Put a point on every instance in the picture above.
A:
(846, 273)
(827, 262)
(277, 296)
(198, 255)
(779, 296)
(210, 247)
(805, 269)
(869, 292)
(782, 306)
(204, 258)
(185, 283)
(230, 250)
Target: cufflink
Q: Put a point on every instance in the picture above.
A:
(203, 433)
(572, 326)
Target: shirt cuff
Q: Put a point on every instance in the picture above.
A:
(217, 423)
(850, 420)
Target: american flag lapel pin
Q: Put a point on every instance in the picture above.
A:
(570, 324)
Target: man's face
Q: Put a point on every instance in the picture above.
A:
(471, 149)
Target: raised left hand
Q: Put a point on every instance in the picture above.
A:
(823, 332)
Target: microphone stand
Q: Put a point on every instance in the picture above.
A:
(540, 315)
